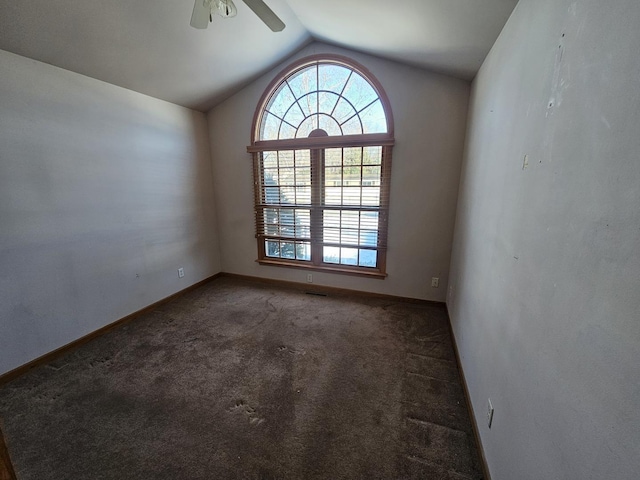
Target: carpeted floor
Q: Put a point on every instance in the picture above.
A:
(241, 380)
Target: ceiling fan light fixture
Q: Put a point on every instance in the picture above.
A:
(203, 11)
(225, 8)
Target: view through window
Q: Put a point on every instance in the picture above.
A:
(322, 153)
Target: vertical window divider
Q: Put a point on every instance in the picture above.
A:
(316, 210)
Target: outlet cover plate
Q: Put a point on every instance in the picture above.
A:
(489, 413)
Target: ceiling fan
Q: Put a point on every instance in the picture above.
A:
(203, 11)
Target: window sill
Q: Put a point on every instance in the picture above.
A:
(340, 269)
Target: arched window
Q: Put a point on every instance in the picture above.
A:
(322, 139)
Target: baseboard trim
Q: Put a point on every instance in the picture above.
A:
(48, 357)
(312, 287)
(474, 423)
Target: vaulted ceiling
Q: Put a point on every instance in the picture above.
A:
(148, 45)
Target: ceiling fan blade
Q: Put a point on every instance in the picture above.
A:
(265, 14)
(201, 13)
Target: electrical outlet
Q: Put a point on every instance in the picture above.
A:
(489, 413)
(309, 278)
(435, 282)
(180, 272)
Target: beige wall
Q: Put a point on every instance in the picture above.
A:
(104, 193)
(545, 300)
(430, 114)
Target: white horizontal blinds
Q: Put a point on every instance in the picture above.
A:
(283, 210)
(353, 206)
(349, 208)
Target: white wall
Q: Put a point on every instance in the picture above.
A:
(546, 264)
(430, 114)
(104, 193)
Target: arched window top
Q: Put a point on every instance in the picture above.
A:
(328, 93)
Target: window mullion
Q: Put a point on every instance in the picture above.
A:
(317, 187)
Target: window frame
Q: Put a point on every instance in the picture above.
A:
(316, 144)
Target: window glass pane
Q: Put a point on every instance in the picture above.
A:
(369, 220)
(331, 235)
(281, 101)
(303, 195)
(308, 126)
(327, 102)
(343, 111)
(352, 176)
(368, 238)
(270, 176)
(333, 176)
(373, 119)
(349, 237)
(303, 158)
(351, 195)
(288, 250)
(331, 254)
(272, 248)
(352, 127)
(329, 125)
(286, 176)
(272, 195)
(371, 176)
(350, 219)
(285, 159)
(303, 223)
(303, 251)
(303, 176)
(271, 222)
(368, 258)
(333, 196)
(332, 218)
(359, 92)
(333, 157)
(287, 196)
(303, 81)
(287, 223)
(270, 127)
(353, 156)
(309, 104)
(286, 131)
(270, 160)
(349, 256)
(371, 196)
(294, 116)
(372, 155)
(333, 77)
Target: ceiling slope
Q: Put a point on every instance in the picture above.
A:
(148, 46)
(450, 36)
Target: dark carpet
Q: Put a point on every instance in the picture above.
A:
(242, 380)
